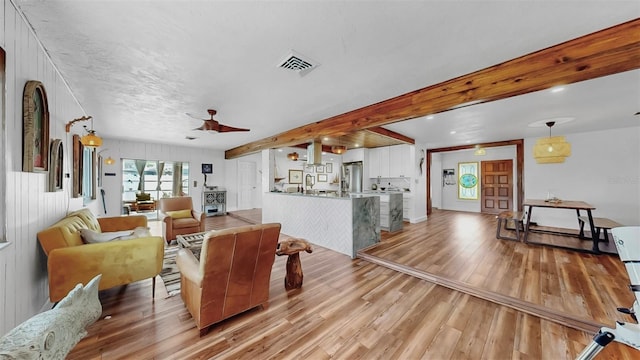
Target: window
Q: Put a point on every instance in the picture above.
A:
(468, 181)
(159, 178)
(87, 175)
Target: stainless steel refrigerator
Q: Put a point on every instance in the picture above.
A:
(351, 177)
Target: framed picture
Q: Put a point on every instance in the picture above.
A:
(56, 158)
(295, 176)
(77, 166)
(35, 128)
(322, 177)
(319, 169)
(309, 168)
(207, 168)
(328, 168)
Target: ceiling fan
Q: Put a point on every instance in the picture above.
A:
(211, 124)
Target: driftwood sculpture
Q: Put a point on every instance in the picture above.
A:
(292, 247)
(52, 334)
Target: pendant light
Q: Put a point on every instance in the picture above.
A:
(293, 156)
(338, 149)
(552, 149)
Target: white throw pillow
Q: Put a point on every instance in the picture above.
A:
(91, 237)
(138, 232)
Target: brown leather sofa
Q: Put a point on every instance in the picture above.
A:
(71, 261)
(176, 220)
(232, 275)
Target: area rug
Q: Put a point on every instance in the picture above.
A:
(170, 274)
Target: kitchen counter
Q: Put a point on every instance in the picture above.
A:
(344, 224)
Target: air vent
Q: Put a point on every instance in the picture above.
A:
(298, 63)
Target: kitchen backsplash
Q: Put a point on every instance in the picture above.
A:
(392, 183)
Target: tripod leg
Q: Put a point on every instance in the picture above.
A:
(600, 340)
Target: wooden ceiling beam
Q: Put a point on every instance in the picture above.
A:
(391, 134)
(606, 52)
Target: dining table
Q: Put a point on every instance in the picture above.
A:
(575, 205)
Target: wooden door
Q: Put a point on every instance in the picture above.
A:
(497, 186)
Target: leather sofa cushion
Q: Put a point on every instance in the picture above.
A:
(185, 223)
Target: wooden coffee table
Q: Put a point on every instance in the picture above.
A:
(192, 242)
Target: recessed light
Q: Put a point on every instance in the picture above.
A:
(325, 139)
(356, 145)
(468, 141)
(557, 89)
(280, 150)
(452, 132)
(430, 117)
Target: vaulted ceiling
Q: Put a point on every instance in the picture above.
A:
(137, 67)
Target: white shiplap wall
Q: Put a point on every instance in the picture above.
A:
(23, 280)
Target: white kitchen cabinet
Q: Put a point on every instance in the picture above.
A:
(379, 162)
(407, 204)
(399, 161)
(391, 161)
(384, 214)
(353, 155)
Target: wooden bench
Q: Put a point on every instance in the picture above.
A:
(504, 217)
(600, 224)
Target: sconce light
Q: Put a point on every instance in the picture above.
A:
(293, 156)
(90, 139)
(552, 149)
(109, 160)
(480, 151)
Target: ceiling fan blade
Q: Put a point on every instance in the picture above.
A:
(225, 128)
(194, 116)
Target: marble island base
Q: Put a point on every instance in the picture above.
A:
(342, 224)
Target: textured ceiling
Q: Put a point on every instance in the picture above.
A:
(138, 66)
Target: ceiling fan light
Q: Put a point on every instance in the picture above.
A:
(338, 149)
(91, 139)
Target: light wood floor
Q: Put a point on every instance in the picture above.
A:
(355, 309)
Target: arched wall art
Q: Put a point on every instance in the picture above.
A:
(35, 128)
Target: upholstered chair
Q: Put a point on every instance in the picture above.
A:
(232, 275)
(179, 217)
(145, 202)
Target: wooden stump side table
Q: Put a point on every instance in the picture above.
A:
(292, 248)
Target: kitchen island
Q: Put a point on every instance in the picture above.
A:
(344, 224)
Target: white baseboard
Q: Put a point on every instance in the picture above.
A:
(418, 219)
